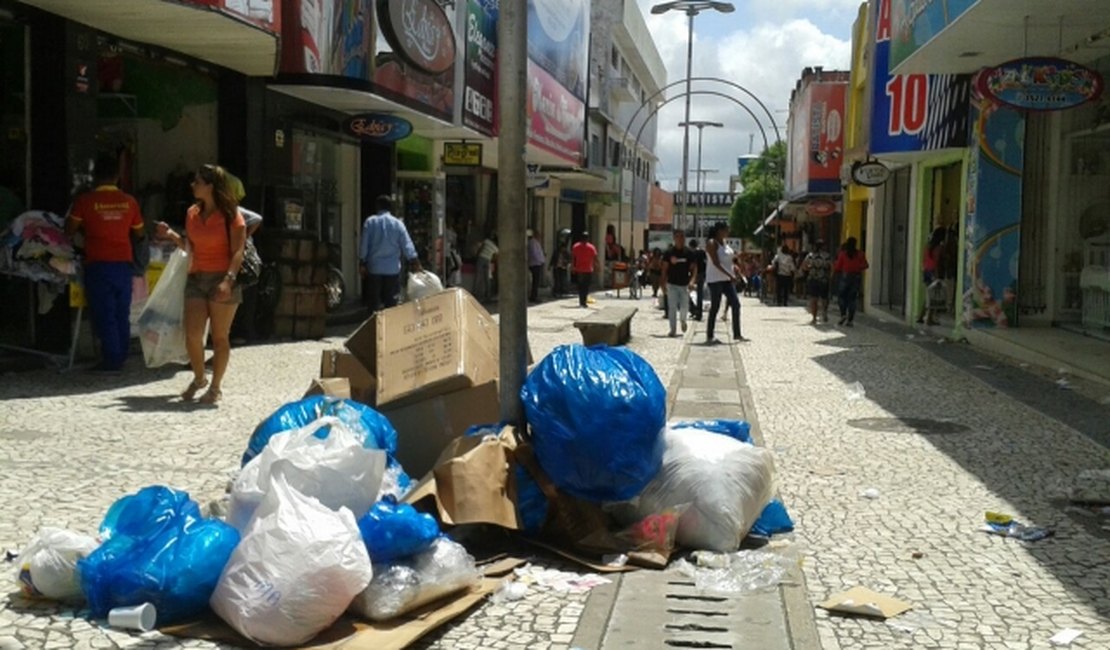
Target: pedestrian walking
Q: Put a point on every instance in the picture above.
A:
(679, 275)
(721, 278)
(110, 219)
(560, 264)
(698, 257)
(584, 264)
(385, 241)
(818, 268)
(849, 267)
(783, 266)
(536, 261)
(487, 253)
(930, 266)
(215, 235)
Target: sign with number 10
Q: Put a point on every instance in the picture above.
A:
(914, 112)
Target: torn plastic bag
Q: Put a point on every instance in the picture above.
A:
(47, 568)
(727, 484)
(401, 587)
(158, 550)
(597, 417)
(336, 470)
(421, 285)
(393, 531)
(297, 569)
(773, 520)
(161, 323)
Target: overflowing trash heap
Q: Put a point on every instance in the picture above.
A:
(324, 521)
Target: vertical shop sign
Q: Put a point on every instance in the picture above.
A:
(826, 135)
(555, 117)
(414, 63)
(558, 40)
(479, 105)
(914, 112)
(327, 37)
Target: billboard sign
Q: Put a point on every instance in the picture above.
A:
(558, 41)
(916, 22)
(556, 118)
(479, 110)
(914, 112)
(1040, 84)
(328, 38)
(826, 135)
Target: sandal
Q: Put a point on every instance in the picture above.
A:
(211, 397)
(191, 392)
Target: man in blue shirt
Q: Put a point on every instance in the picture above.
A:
(384, 242)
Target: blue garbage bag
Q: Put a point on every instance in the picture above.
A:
(392, 531)
(597, 418)
(159, 550)
(375, 428)
(531, 502)
(737, 429)
(773, 520)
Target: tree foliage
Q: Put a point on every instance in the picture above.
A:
(763, 189)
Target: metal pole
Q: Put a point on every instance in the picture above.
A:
(690, 13)
(512, 69)
(701, 197)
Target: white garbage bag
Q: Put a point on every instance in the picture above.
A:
(422, 284)
(295, 571)
(47, 568)
(725, 482)
(401, 587)
(162, 321)
(337, 471)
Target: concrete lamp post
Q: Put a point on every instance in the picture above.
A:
(700, 126)
(691, 8)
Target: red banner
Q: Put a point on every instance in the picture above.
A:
(556, 118)
(662, 206)
(826, 130)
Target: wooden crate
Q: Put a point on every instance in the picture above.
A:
(307, 250)
(309, 327)
(311, 302)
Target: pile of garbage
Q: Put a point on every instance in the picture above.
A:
(323, 519)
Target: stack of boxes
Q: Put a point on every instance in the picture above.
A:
(301, 311)
(430, 366)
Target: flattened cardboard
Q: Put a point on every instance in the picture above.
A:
(349, 633)
(330, 386)
(338, 363)
(432, 346)
(472, 484)
(861, 601)
(425, 429)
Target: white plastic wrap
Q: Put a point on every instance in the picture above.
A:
(295, 571)
(422, 284)
(338, 471)
(161, 323)
(404, 586)
(47, 568)
(726, 483)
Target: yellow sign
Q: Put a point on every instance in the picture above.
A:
(77, 295)
(462, 153)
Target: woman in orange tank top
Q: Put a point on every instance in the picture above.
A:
(215, 234)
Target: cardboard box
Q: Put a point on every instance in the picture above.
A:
(426, 428)
(337, 363)
(428, 347)
(330, 386)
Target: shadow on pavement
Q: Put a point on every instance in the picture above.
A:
(168, 403)
(51, 383)
(1000, 459)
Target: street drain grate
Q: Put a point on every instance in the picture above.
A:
(694, 627)
(682, 643)
(696, 612)
(707, 599)
(908, 425)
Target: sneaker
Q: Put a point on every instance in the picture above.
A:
(684, 326)
(672, 334)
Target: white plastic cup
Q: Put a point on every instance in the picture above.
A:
(136, 617)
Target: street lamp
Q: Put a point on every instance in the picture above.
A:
(699, 125)
(691, 8)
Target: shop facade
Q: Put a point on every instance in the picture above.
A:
(1034, 216)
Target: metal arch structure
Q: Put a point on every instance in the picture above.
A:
(647, 120)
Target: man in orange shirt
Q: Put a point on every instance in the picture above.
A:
(109, 218)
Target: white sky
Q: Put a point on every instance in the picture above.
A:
(762, 46)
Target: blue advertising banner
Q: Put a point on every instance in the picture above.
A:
(914, 112)
(992, 235)
(916, 22)
(558, 41)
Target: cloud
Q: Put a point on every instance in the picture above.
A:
(765, 53)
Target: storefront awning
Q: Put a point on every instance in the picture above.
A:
(990, 32)
(197, 28)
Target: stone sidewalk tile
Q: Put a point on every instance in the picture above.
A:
(969, 589)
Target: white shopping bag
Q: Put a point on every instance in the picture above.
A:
(162, 321)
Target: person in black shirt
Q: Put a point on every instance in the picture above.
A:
(698, 257)
(678, 277)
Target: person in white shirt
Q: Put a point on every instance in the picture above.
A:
(487, 253)
(720, 276)
(784, 267)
